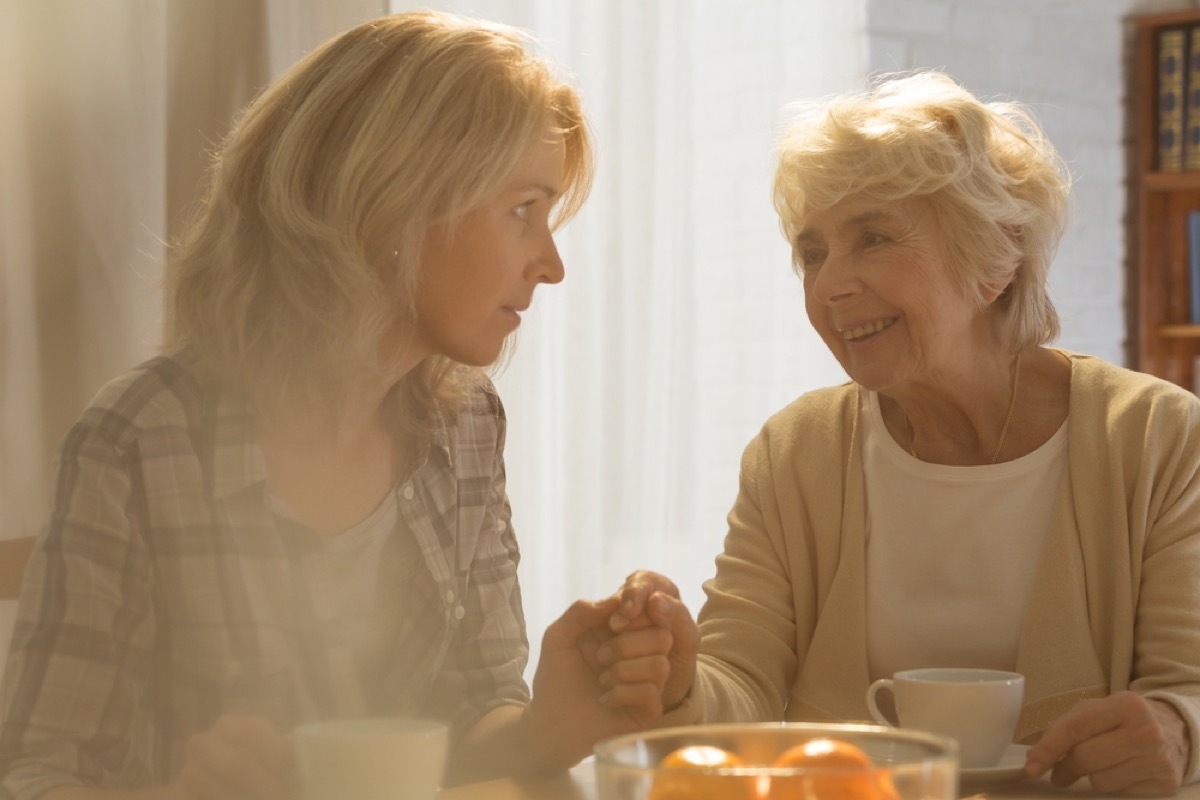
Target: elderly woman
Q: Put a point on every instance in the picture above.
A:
(298, 511)
(972, 497)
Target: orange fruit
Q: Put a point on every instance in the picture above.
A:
(685, 774)
(840, 771)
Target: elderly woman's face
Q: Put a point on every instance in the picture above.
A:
(879, 291)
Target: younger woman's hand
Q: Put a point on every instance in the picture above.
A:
(239, 758)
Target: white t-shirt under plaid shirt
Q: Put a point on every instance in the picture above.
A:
(166, 591)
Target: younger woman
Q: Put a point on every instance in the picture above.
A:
(298, 510)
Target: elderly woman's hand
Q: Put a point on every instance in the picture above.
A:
(1123, 743)
(649, 599)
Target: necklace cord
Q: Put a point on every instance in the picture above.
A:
(1012, 404)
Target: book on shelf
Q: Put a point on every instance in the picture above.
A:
(1172, 52)
(1191, 102)
(1193, 257)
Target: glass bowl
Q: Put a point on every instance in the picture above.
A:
(903, 765)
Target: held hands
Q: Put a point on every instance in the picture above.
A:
(239, 758)
(1124, 743)
(648, 598)
(608, 668)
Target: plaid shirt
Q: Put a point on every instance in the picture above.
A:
(165, 593)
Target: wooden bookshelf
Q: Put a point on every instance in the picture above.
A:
(1165, 342)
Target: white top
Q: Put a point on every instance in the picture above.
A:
(361, 591)
(366, 583)
(951, 551)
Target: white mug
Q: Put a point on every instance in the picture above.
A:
(370, 759)
(977, 707)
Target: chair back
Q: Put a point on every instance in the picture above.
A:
(14, 553)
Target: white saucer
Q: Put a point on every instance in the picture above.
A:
(1010, 769)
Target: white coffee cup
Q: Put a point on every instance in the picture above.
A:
(370, 759)
(977, 707)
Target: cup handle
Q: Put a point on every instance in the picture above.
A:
(872, 690)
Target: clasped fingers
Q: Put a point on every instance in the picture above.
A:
(635, 595)
(651, 671)
(635, 644)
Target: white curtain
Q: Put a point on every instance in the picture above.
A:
(79, 189)
(109, 111)
(106, 111)
(679, 327)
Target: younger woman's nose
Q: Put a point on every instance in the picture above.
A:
(547, 265)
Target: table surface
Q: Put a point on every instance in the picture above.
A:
(580, 784)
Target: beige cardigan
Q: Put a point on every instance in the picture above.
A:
(1115, 603)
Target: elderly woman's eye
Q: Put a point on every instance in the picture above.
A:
(812, 257)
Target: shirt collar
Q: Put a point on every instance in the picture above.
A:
(238, 461)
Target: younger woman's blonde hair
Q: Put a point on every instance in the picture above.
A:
(298, 274)
(999, 188)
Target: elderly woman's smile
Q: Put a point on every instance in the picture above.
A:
(867, 330)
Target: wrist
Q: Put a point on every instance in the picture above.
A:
(678, 704)
(547, 743)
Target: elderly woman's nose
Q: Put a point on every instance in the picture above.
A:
(836, 281)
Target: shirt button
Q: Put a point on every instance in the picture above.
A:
(460, 612)
(501, 525)
(449, 598)
(408, 493)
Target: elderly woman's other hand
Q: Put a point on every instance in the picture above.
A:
(1123, 743)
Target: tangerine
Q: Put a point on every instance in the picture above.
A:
(690, 773)
(840, 771)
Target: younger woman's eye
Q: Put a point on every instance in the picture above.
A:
(522, 210)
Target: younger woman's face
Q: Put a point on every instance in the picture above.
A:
(480, 272)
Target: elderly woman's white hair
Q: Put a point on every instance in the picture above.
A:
(1000, 190)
